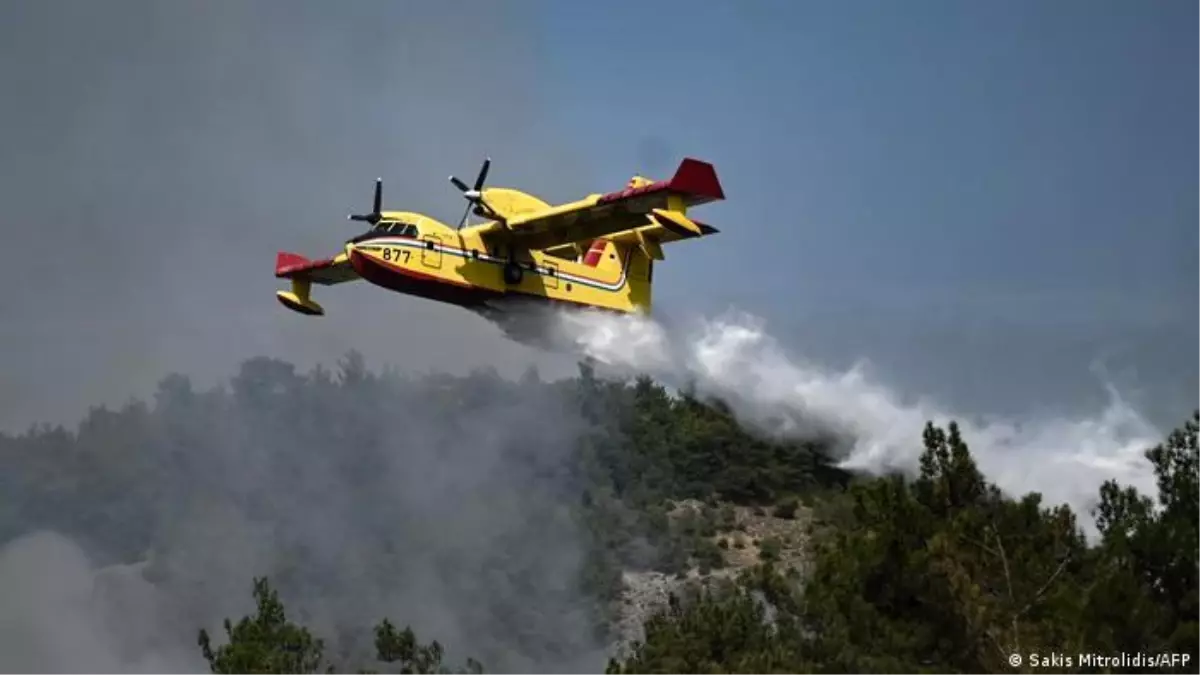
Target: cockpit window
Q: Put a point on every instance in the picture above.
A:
(397, 228)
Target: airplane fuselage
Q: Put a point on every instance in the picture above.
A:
(595, 252)
(414, 254)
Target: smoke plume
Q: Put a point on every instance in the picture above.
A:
(442, 503)
(733, 357)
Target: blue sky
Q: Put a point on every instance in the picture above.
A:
(1023, 166)
(1029, 148)
(993, 202)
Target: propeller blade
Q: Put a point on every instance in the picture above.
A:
(375, 216)
(483, 172)
(463, 221)
(474, 195)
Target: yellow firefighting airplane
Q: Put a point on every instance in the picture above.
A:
(596, 252)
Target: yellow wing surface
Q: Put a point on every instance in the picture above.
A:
(645, 213)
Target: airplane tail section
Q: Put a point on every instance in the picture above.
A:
(635, 267)
(627, 264)
(697, 181)
(640, 274)
(693, 184)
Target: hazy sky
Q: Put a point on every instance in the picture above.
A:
(984, 198)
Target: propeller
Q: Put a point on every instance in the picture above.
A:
(374, 216)
(474, 194)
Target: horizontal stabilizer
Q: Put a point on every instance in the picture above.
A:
(678, 223)
(649, 238)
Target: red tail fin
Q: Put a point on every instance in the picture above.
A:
(698, 180)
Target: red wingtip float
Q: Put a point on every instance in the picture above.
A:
(596, 252)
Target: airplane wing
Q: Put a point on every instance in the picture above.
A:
(326, 272)
(659, 205)
(303, 273)
(648, 237)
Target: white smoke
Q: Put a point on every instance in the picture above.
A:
(733, 357)
(60, 614)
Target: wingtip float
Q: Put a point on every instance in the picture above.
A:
(596, 252)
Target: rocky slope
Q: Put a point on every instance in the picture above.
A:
(745, 536)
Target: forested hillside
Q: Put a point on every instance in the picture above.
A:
(415, 524)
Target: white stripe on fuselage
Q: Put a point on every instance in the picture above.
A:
(405, 242)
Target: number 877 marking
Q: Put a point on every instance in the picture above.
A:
(396, 254)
